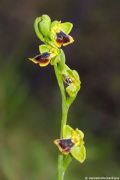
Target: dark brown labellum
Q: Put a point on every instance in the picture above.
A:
(42, 58)
(64, 145)
(62, 38)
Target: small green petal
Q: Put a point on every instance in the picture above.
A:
(66, 27)
(79, 153)
(67, 131)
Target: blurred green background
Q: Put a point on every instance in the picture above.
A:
(30, 104)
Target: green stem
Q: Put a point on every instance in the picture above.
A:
(61, 170)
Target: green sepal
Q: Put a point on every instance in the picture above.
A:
(44, 25)
(37, 29)
(79, 153)
(66, 27)
(44, 48)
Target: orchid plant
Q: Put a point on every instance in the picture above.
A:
(54, 35)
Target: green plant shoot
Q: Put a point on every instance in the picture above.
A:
(54, 35)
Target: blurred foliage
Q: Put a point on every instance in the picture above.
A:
(29, 97)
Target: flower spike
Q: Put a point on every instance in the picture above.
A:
(54, 35)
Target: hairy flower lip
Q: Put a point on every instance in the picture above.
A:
(41, 59)
(63, 39)
(64, 145)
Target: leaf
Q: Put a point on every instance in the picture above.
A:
(66, 27)
(43, 48)
(67, 132)
(79, 153)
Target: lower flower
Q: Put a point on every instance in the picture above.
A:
(72, 143)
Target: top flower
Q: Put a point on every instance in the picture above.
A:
(53, 33)
(59, 33)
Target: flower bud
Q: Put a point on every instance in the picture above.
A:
(42, 26)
